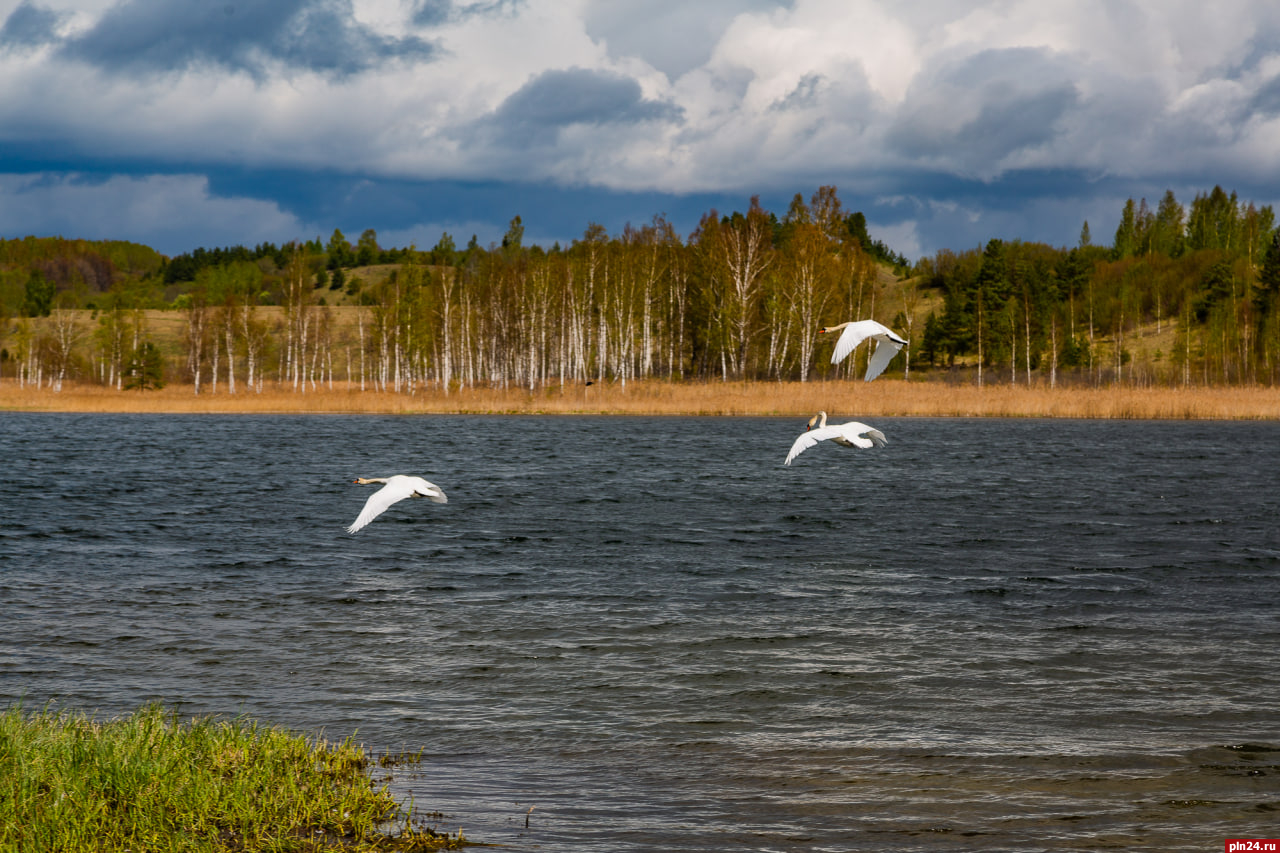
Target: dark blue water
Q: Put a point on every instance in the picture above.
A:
(988, 635)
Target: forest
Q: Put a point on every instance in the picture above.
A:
(1182, 295)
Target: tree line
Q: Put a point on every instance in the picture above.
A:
(1204, 279)
(1182, 295)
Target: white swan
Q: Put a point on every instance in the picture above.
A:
(851, 434)
(855, 332)
(397, 488)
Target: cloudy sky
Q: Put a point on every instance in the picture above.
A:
(185, 123)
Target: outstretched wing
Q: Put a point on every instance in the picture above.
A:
(853, 334)
(809, 439)
(378, 502)
(852, 433)
(886, 349)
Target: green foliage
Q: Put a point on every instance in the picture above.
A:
(144, 370)
(1215, 287)
(1214, 222)
(338, 251)
(1126, 240)
(38, 301)
(187, 266)
(1168, 230)
(1269, 277)
(367, 251)
(514, 237)
(1074, 352)
(444, 253)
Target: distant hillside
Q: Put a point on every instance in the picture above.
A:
(82, 269)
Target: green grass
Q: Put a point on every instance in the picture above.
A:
(151, 782)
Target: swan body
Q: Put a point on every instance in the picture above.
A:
(851, 434)
(396, 488)
(888, 343)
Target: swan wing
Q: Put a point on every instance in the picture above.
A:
(809, 439)
(397, 489)
(853, 434)
(853, 334)
(886, 348)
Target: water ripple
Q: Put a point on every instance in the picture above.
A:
(997, 635)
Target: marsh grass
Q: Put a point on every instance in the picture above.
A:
(150, 782)
(884, 397)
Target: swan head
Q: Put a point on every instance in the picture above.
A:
(813, 421)
(361, 481)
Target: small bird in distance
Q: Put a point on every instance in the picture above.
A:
(851, 434)
(395, 489)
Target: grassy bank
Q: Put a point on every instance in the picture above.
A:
(151, 782)
(884, 397)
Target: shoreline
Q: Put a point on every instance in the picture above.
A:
(845, 398)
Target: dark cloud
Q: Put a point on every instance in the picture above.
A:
(576, 96)
(1014, 123)
(431, 13)
(28, 26)
(1266, 101)
(805, 94)
(984, 109)
(164, 35)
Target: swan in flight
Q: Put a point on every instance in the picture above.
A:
(888, 343)
(851, 434)
(397, 488)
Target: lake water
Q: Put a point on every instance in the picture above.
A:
(988, 635)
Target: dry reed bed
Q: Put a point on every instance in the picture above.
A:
(882, 398)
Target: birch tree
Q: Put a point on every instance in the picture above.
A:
(813, 269)
(736, 253)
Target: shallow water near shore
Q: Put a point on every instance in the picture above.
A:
(988, 635)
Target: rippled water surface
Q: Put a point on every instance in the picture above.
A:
(988, 635)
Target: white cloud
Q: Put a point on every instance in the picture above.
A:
(735, 96)
(822, 84)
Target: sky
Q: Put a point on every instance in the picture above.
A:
(188, 123)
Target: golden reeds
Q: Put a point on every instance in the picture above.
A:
(884, 397)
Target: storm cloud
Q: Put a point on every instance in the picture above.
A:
(173, 35)
(557, 99)
(28, 27)
(946, 123)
